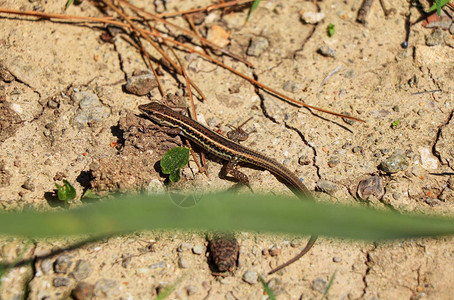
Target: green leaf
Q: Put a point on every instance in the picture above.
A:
(438, 5)
(66, 192)
(253, 7)
(173, 161)
(331, 30)
(90, 195)
(395, 124)
(330, 284)
(267, 289)
(68, 4)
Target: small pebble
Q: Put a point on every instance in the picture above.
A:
(46, 265)
(157, 265)
(333, 161)
(428, 160)
(258, 46)
(291, 86)
(395, 163)
(52, 104)
(357, 149)
(250, 277)
(82, 291)
(198, 249)
(125, 260)
(141, 85)
(191, 290)
(326, 186)
(274, 251)
(183, 263)
(319, 285)
(327, 51)
(82, 270)
(63, 263)
(304, 160)
(184, 247)
(61, 281)
(28, 185)
(218, 35)
(432, 202)
(337, 259)
(106, 288)
(310, 17)
(371, 186)
(435, 38)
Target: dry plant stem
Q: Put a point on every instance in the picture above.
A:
(364, 11)
(253, 81)
(156, 46)
(193, 113)
(206, 8)
(207, 42)
(191, 24)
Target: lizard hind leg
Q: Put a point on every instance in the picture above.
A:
(231, 169)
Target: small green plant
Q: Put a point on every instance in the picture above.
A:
(66, 192)
(90, 195)
(331, 31)
(395, 124)
(68, 4)
(438, 5)
(173, 161)
(253, 7)
(267, 289)
(329, 285)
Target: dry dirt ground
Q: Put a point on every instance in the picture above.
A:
(63, 104)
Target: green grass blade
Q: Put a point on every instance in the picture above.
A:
(225, 212)
(267, 289)
(253, 7)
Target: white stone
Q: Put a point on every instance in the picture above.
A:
(428, 161)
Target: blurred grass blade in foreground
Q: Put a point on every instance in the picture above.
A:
(225, 212)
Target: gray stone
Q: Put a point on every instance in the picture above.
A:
(395, 163)
(183, 263)
(327, 51)
(82, 270)
(90, 109)
(371, 186)
(106, 288)
(435, 38)
(250, 277)
(61, 281)
(198, 249)
(83, 291)
(46, 265)
(258, 46)
(326, 186)
(319, 285)
(62, 264)
(191, 290)
(142, 84)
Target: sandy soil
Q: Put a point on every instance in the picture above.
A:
(49, 70)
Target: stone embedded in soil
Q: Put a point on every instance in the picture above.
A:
(310, 17)
(82, 270)
(63, 263)
(395, 163)
(428, 161)
(435, 38)
(250, 276)
(326, 186)
(61, 281)
(183, 263)
(371, 186)
(198, 249)
(141, 85)
(218, 35)
(327, 51)
(319, 285)
(258, 46)
(46, 265)
(83, 291)
(106, 288)
(90, 109)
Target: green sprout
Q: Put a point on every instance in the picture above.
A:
(331, 30)
(438, 5)
(66, 192)
(267, 289)
(395, 124)
(330, 284)
(173, 161)
(253, 7)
